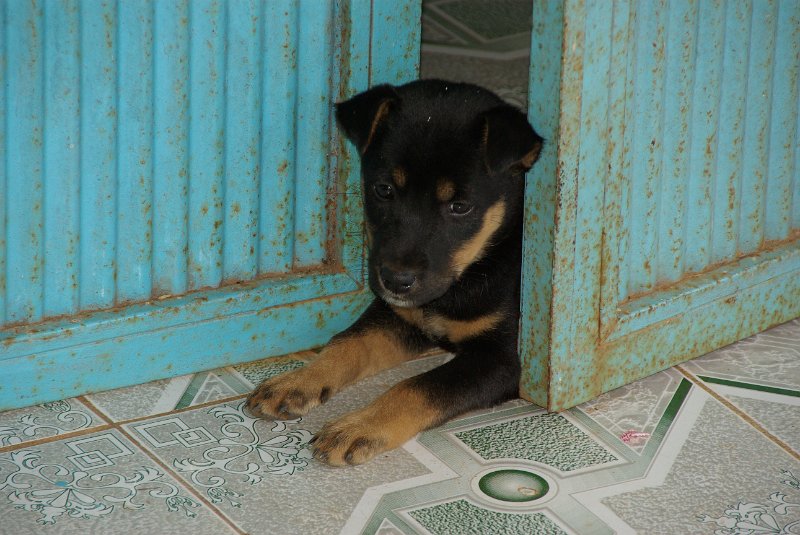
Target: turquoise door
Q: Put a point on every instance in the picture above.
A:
(173, 193)
(663, 220)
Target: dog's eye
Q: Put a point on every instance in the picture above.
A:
(459, 208)
(383, 191)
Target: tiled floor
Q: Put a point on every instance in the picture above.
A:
(711, 446)
(708, 447)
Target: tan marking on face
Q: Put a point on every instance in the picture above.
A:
(399, 177)
(368, 230)
(387, 423)
(383, 109)
(460, 330)
(445, 190)
(529, 159)
(472, 250)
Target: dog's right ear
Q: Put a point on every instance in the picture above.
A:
(361, 116)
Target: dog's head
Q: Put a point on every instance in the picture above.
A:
(442, 168)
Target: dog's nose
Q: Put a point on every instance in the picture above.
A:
(399, 282)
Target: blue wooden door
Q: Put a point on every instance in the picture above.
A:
(663, 220)
(173, 194)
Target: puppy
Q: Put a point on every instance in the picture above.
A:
(443, 168)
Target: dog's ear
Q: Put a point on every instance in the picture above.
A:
(361, 116)
(508, 141)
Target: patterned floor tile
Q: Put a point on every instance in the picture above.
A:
(546, 438)
(779, 417)
(95, 483)
(255, 372)
(46, 420)
(725, 474)
(257, 471)
(662, 455)
(160, 397)
(461, 517)
(760, 376)
(770, 358)
(634, 410)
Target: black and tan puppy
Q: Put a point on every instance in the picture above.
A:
(443, 169)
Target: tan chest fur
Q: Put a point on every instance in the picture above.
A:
(455, 331)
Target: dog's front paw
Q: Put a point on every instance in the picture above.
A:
(288, 396)
(349, 441)
(387, 423)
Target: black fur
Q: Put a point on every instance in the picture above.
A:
(443, 173)
(432, 131)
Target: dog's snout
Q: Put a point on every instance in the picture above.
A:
(399, 282)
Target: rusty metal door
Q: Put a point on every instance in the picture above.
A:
(663, 220)
(173, 195)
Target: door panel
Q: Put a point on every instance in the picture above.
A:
(176, 195)
(674, 176)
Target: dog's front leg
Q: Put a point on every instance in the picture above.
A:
(482, 374)
(376, 341)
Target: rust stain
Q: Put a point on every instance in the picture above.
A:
(766, 246)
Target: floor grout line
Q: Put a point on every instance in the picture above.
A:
(739, 412)
(95, 409)
(184, 409)
(187, 485)
(56, 438)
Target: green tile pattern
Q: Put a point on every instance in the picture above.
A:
(463, 518)
(549, 439)
(264, 369)
(751, 386)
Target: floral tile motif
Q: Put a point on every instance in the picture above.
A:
(99, 482)
(771, 515)
(721, 462)
(246, 447)
(46, 420)
(545, 438)
(255, 470)
(461, 517)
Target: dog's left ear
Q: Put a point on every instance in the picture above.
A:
(508, 141)
(361, 117)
